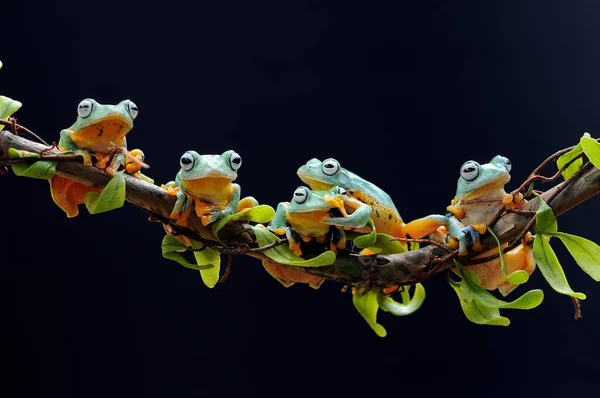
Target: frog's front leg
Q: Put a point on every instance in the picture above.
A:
(181, 200)
(229, 209)
(358, 219)
(466, 235)
(65, 143)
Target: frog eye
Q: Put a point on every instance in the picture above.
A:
(508, 163)
(84, 109)
(341, 191)
(133, 109)
(469, 171)
(330, 166)
(186, 162)
(235, 161)
(300, 195)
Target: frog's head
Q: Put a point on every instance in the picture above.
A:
(323, 175)
(221, 167)
(307, 201)
(107, 123)
(483, 180)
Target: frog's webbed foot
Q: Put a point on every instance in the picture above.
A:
(511, 202)
(171, 188)
(466, 237)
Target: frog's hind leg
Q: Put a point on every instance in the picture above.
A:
(246, 203)
(67, 194)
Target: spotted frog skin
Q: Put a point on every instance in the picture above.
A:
(204, 184)
(97, 132)
(323, 175)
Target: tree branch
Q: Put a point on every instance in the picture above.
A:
(377, 270)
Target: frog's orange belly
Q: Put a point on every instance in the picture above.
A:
(310, 224)
(211, 190)
(101, 137)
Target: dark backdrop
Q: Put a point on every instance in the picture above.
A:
(402, 95)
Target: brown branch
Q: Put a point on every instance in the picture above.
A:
(349, 268)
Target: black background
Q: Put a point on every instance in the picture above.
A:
(400, 94)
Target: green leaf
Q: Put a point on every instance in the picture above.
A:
(477, 313)
(550, 267)
(259, 214)
(8, 106)
(283, 255)
(470, 289)
(545, 220)
(585, 253)
(208, 256)
(112, 196)
(567, 157)
(517, 277)
(367, 305)
(171, 249)
(591, 148)
(413, 246)
(367, 240)
(43, 169)
(384, 244)
(408, 306)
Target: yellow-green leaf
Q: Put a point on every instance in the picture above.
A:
(517, 277)
(367, 240)
(545, 220)
(259, 214)
(43, 169)
(384, 244)
(567, 157)
(585, 252)
(8, 106)
(367, 305)
(477, 313)
(408, 306)
(591, 148)
(172, 248)
(470, 289)
(208, 256)
(283, 255)
(550, 267)
(112, 196)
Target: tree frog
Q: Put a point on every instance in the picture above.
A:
(479, 194)
(315, 214)
(98, 130)
(386, 218)
(204, 184)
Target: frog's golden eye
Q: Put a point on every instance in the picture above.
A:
(508, 163)
(235, 161)
(186, 162)
(85, 107)
(133, 109)
(341, 191)
(330, 166)
(469, 171)
(300, 195)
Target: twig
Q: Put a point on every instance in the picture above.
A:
(577, 305)
(17, 127)
(424, 241)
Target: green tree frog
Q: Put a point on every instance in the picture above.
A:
(317, 214)
(479, 195)
(97, 132)
(386, 218)
(322, 215)
(204, 184)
